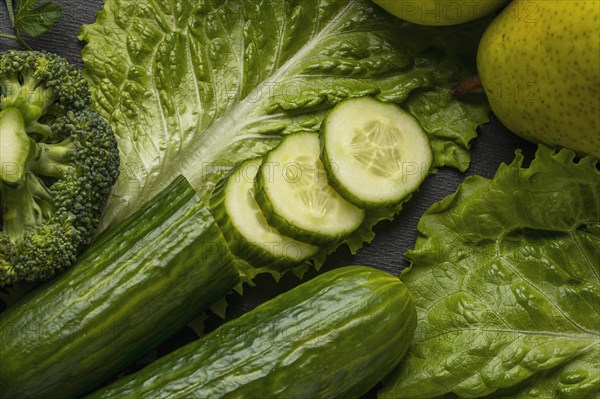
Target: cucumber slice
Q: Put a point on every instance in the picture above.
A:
(245, 228)
(374, 153)
(294, 195)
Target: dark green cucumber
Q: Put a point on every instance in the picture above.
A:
(134, 288)
(332, 337)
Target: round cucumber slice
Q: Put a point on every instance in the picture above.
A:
(374, 153)
(295, 197)
(244, 226)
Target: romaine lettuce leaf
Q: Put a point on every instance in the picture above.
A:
(506, 278)
(194, 87)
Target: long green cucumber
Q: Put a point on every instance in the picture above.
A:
(134, 288)
(332, 337)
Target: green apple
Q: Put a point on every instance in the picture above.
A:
(440, 12)
(539, 63)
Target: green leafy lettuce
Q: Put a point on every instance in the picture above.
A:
(194, 87)
(506, 278)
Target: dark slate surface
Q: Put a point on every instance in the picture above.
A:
(494, 146)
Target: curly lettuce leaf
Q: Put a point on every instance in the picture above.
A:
(193, 88)
(506, 278)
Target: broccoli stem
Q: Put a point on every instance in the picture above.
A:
(42, 130)
(31, 98)
(21, 211)
(41, 194)
(54, 160)
(17, 147)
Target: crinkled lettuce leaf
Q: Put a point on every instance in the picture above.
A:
(506, 278)
(194, 87)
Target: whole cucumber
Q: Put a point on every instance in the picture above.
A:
(147, 279)
(332, 337)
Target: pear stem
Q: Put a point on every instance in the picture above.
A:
(466, 86)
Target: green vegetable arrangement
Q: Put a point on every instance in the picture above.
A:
(506, 280)
(171, 115)
(211, 102)
(168, 254)
(195, 88)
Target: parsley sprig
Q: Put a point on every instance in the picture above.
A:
(31, 18)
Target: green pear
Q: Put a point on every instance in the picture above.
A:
(539, 63)
(440, 12)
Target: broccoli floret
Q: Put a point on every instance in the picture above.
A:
(8, 274)
(59, 161)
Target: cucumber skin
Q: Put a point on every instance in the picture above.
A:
(249, 252)
(280, 223)
(125, 295)
(253, 254)
(332, 337)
